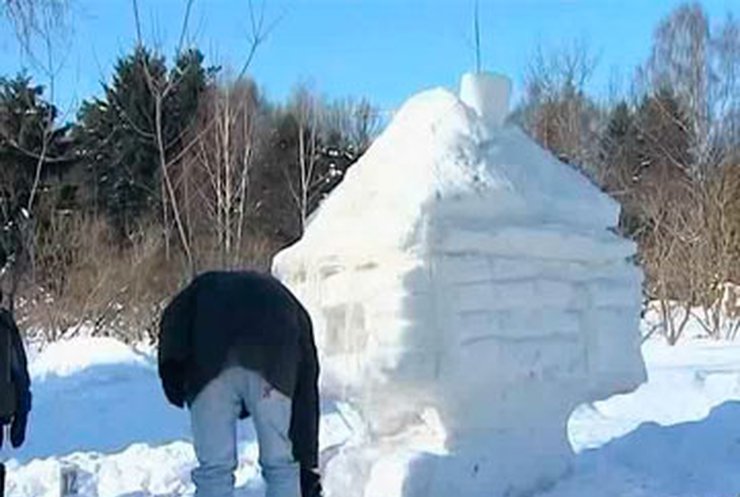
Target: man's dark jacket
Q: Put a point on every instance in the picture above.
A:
(20, 382)
(250, 319)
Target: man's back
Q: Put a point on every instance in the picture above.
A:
(243, 317)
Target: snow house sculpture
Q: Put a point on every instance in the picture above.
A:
(461, 267)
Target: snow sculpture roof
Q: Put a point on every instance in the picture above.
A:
(436, 149)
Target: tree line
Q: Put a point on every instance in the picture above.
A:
(178, 166)
(668, 150)
(173, 169)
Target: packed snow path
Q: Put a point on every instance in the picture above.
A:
(98, 405)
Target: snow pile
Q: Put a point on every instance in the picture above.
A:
(686, 382)
(460, 270)
(140, 470)
(67, 357)
(674, 436)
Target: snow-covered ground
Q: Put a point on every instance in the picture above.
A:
(677, 435)
(98, 406)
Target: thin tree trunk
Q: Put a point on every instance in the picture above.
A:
(168, 183)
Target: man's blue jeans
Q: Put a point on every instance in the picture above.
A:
(214, 414)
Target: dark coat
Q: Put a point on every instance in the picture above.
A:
(250, 319)
(20, 382)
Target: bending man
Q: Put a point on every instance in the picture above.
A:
(234, 344)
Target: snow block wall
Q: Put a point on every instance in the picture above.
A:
(462, 270)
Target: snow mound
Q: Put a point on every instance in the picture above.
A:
(67, 357)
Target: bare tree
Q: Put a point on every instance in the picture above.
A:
(160, 92)
(39, 26)
(358, 121)
(216, 187)
(699, 66)
(668, 255)
(34, 18)
(690, 243)
(725, 90)
(308, 112)
(718, 248)
(702, 68)
(680, 59)
(557, 111)
(570, 66)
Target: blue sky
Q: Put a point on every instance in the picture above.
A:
(384, 49)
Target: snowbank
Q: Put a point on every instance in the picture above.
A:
(676, 435)
(67, 357)
(460, 268)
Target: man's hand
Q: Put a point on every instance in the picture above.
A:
(19, 422)
(18, 429)
(311, 482)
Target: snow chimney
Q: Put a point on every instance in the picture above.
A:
(488, 95)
